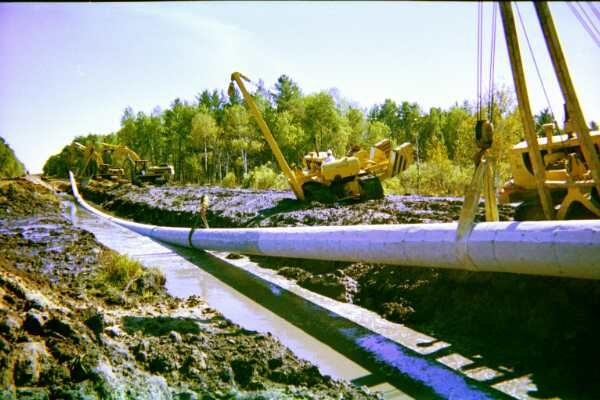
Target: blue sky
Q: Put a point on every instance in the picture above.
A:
(71, 69)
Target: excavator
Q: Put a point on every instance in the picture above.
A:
(91, 156)
(140, 170)
(357, 176)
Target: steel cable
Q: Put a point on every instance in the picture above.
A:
(537, 69)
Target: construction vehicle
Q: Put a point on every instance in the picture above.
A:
(556, 176)
(89, 157)
(139, 170)
(569, 179)
(355, 176)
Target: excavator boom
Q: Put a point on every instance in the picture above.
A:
(296, 188)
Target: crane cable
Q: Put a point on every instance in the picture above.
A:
(590, 30)
(479, 56)
(492, 61)
(537, 69)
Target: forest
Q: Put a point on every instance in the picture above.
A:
(214, 140)
(10, 166)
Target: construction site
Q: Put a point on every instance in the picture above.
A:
(274, 245)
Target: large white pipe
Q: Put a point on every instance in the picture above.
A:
(554, 248)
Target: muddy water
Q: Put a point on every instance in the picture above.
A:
(385, 367)
(185, 279)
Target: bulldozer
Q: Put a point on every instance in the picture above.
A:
(356, 176)
(140, 170)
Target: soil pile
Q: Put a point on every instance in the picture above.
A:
(519, 323)
(69, 331)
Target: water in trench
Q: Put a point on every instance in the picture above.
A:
(185, 279)
(341, 349)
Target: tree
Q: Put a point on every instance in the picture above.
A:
(10, 166)
(358, 126)
(204, 133)
(543, 117)
(322, 122)
(377, 131)
(287, 93)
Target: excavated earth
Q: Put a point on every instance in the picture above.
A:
(544, 326)
(62, 338)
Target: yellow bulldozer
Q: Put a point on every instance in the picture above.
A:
(358, 175)
(139, 170)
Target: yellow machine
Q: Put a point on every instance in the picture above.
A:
(140, 170)
(568, 178)
(91, 156)
(322, 178)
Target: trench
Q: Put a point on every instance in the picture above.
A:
(343, 340)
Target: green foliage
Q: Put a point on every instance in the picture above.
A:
(119, 276)
(263, 177)
(10, 166)
(430, 178)
(229, 181)
(215, 139)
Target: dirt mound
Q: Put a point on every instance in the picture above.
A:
(64, 334)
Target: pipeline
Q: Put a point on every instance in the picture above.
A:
(549, 248)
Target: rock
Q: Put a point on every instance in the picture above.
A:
(34, 322)
(36, 300)
(9, 326)
(95, 322)
(186, 396)
(114, 331)
(175, 336)
(62, 328)
(32, 394)
(4, 346)
(275, 363)
(28, 365)
(243, 370)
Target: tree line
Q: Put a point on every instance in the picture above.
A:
(10, 166)
(215, 140)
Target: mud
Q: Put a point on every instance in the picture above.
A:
(521, 324)
(61, 337)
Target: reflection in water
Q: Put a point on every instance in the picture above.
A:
(258, 305)
(443, 381)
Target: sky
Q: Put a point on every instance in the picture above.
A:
(71, 69)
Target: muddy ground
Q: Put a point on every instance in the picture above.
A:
(543, 326)
(64, 335)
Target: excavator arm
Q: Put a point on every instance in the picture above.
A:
(293, 181)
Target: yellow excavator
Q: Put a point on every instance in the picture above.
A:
(355, 176)
(90, 157)
(140, 170)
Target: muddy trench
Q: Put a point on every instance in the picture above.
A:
(543, 326)
(65, 334)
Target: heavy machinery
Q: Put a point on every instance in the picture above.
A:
(568, 178)
(140, 170)
(90, 156)
(556, 176)
(355, 176)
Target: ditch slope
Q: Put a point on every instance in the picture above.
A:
(543, 326)
(67, 332)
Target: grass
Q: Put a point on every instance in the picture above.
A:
(119, 276)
